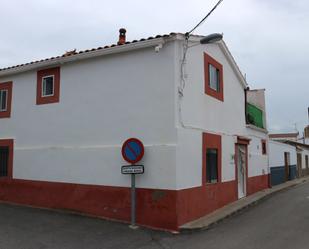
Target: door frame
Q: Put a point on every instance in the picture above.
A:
(287, 162)
(245, 142)
(8, 143)
(299, 160)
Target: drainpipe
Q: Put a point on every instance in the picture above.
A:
(246, 116)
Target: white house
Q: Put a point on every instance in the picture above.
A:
(282, 162)
(63, 121)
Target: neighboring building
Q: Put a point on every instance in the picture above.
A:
(282, 162)
(302, 153)
(306, 135)
(63, 121)
(292, 136)
(257, 132)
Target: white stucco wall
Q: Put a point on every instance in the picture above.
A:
(103, 102)
(276, 153)
(202, 113)
(257, 162)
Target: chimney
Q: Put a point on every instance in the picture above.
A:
(122, 36)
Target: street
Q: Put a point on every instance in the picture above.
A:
(281, 221)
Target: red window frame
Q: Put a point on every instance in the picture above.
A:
(264, 147)
(208, 90)
(7, 86)
(40, 99)
(8, 143)
(211, 141)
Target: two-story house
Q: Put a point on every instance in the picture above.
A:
(63, 121)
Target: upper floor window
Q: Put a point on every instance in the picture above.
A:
(214, 78)
(5, 99)
(48, 86)
(213, 71)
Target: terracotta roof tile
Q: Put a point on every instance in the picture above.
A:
(90, 50)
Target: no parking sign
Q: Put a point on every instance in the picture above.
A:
(132, 151)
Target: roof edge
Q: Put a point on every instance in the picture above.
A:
(54, 61)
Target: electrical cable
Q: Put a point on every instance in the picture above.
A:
(203, 20)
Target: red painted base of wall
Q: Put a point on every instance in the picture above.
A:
(164, 209)
(257, 183)
(194, 203)
(155, 208)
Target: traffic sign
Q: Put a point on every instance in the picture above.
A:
(132, 150)
(132, 169)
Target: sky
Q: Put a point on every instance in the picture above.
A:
(268, 38)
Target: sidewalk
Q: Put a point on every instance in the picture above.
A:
(237, 206)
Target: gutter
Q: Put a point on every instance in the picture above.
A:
(83, 56)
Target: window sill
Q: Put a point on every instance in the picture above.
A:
(211, 183)
(253, 127)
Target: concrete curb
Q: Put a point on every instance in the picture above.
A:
(239, 206)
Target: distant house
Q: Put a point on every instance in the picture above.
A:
(302, 155)
(306, 135)
(292, 136)
(63, 121)
(282, 162)
(289, 156)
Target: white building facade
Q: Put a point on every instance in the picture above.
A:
(64, 120)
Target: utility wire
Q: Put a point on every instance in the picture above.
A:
(203, 20)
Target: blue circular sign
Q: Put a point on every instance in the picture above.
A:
(132, 150)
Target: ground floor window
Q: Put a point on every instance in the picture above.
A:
(211, 158)
(6, 158)
(211, 165)
(4, 161)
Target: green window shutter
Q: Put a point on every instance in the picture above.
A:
(255, 115)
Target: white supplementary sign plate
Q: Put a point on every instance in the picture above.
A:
(132, 169)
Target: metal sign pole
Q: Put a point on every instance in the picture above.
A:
(133, 202)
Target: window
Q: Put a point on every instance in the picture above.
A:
(307, 161)
(264, 150)
(211, 158)
(5, 99)
(48, 86)
(214, 78)
(6, 158)
(211, 165)
(213, 71)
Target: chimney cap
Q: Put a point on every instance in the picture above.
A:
(122, 30)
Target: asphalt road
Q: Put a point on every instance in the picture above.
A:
(280, 222)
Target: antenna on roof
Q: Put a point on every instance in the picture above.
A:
(203, 20)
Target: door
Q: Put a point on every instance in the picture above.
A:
(287, 165)
(4, 161)
(241, 170)
(299, 165)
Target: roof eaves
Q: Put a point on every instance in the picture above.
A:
(86, 54)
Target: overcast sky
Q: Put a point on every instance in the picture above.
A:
(268, 38)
